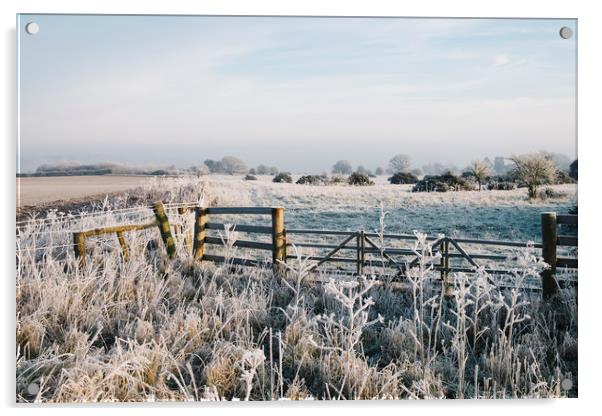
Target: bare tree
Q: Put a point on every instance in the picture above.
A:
(480, 170)
(379, 171)
(416, 172)
(361, 169)
(499, 166)
(342, 167)
(233, 165)
(400, 163)
(215, 166)
(274, 170)
(263, 170)
(534, 169)
(200, 170)
(439, 168)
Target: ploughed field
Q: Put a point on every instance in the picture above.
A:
(42, 190)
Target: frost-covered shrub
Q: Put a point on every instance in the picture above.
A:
(338, 179)
(563, 177)
(232, 369)
(534, 170)
(283, 177)
(443, 183)
(501, 183)
(501, 186)
(312, 180)
(200, 170)
(359, 179)
(403, 178)
(430, 184)
(550, 193)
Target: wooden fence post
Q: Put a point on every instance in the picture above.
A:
(446, 251)
(278, 239)
(124, 247)
(363, 259)
(79, 245)
(442, 260)
(358, 248)
(198, 246)
(448, 289)
(163, 223)
(549, 236)
(360, 252)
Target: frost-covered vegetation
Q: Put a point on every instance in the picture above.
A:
(151, 329)
(507, 214)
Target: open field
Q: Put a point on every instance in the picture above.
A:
(486, 214)
(41, 190)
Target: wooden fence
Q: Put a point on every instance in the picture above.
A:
(551, 240)
(357, 248)
(276, 231)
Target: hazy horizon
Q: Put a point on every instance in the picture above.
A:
(296, 93)
(328, 169)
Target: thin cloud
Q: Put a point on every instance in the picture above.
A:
(501, 60)
(256, 84)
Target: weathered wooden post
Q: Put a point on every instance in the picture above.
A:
(164, 229)
(198, 246)
(79, 245)
(446, 250)
(360, 253)
(448, 289)
(442, 260)
(363, 259)
(549, 236)
(358, 257)
(278, 239)
(124, 247)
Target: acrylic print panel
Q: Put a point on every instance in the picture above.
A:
(266, 208)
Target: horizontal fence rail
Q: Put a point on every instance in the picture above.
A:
(254, 229)
(240, 211)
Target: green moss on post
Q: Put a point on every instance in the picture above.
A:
(124, 247)
(79, 244)
(164, 229)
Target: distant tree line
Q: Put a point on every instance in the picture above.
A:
(232, 165)
(530, 171)
(94, 169)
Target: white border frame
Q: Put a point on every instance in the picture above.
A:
(589, 95)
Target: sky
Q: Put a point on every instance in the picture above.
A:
(296, 93)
